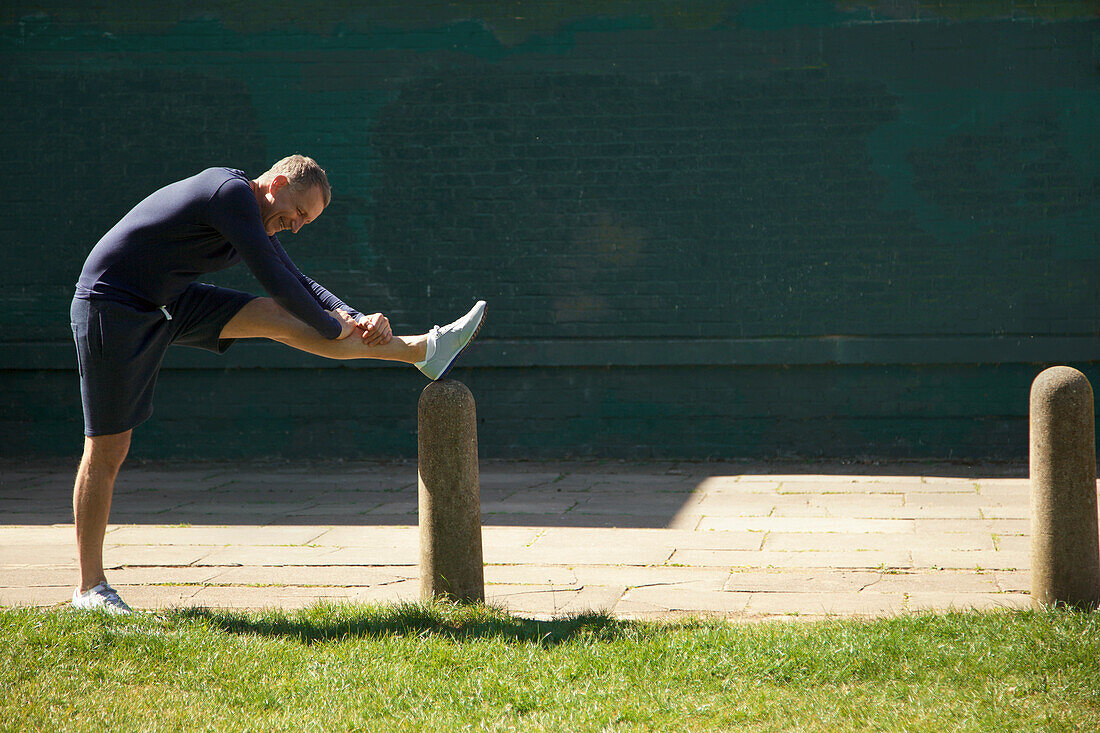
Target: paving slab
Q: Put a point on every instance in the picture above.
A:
(406, 507)
(838, 485)
(939, 581)
(933, 511)
(921, 498)
(808, 524)
(549, 602)
(29, 577)
(551, 575)
(826, 604)
(15, 535)
(264, 555)
(596, 521)
(213, 535)
(1013, 581)
(516, 481)
(700, 579)
(153, 597)
(147, 504)
(585, 545)
(37, 596)
(1013, 543)
(847, 506)
(945, 482)
(529, 505)
(823, 580)
(738, 506)
(1005, 512)
(770, 559)
(650, 598)
(947, 527)
(316, 575)
(737, 486)
(506, 538)
(117, 556)
(815, 481)
(345, 509)
(162, 575)
(232, 511)
(37, 516)
(365, 536)
(983, 559)
(283, 597)
(1019, 496)
(848, 541)
(408, 554)
(709, 540)
(27, 554)
(637, 502)
(407, 591)
(1008, 484)
(658, 481)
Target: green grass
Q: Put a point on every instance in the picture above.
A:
(442, 667)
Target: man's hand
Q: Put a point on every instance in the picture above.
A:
(375, 329)
(347, 323)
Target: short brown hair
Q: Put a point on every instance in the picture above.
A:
(302, 172)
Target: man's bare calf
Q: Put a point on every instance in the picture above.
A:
(264, 318)
(95, 485)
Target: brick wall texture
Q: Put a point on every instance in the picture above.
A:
(618, 179)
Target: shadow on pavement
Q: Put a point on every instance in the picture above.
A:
(595, 494)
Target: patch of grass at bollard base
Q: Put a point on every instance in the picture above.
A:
(447, 667)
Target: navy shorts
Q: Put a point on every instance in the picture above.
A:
(120, 347)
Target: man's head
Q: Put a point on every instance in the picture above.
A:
(292, 193)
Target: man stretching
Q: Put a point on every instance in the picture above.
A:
(136, 296)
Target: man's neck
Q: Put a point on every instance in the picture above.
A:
(258, 192)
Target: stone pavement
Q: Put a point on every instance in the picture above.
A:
(641, 540)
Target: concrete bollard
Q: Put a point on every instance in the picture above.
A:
(1065, 553)
(449, 494)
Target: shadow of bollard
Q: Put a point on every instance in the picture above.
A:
(449, 494)
(1065, 553)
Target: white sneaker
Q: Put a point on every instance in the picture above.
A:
(100, 598)
(445, 343)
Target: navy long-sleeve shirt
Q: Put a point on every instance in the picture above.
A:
(202, 224)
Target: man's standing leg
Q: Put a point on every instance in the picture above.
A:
(119, 350)
(95, 485)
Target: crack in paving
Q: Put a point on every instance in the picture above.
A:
(578, 589)
(881, 575)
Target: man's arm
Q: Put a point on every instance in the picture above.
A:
(327, 300)
(232, 211)
(375, 328)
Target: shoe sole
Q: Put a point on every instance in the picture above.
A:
(458, 353)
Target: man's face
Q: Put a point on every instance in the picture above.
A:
(287, 209)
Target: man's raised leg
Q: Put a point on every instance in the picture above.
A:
(264, 318)
(92, 493)
(432, 353)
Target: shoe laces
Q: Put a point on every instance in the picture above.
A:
(110, 594)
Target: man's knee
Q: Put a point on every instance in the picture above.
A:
(259, 318)
(107, 452)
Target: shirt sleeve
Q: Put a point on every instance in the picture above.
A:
(327, 300)
(233, 211)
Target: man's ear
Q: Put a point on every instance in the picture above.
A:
(276, 183)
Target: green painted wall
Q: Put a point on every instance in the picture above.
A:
(721, 229)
